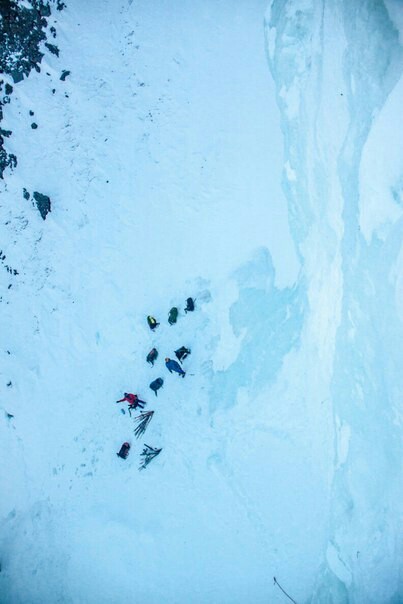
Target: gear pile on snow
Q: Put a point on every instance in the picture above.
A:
(148, 455)
(143, 420)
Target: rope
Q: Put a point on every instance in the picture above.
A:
(284, 592)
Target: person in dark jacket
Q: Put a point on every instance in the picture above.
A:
(133, 401)
(156, 385)
(190, 305)
(152, 323)
(173, 315)
(173, 365)
(182, 353)
(152, 356)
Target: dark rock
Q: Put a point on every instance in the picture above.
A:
(21, 30)
(26, 194)
(31, 112)
(5, 133)
(34, 126)
(53, 48)
(17, 76)
(44, 10)
(64, 75)
(21, 34)
(42, 203)
(7, 160)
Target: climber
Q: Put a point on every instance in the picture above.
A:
(156, 385)
(182, 353)
(173, 315)
(172, 365)
(133, 401)
(152, 323)
(152, 356)
(190, 305)
(124, 450)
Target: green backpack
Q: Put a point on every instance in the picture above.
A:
(173, 315)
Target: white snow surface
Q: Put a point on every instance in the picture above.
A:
(248, 156)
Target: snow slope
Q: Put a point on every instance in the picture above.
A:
(163, 156)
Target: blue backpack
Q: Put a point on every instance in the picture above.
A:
(156, 385)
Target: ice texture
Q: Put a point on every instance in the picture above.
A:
(345, 60)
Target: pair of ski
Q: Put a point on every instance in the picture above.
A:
(143, 420)
(149, 453)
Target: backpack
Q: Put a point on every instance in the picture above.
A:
(124, 451)
(152, 356)
(190, 305)
(173, 315)
(156, 385)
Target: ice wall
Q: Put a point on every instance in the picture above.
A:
(337, 68)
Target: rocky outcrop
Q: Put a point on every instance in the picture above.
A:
(42, 203)
(22, 29)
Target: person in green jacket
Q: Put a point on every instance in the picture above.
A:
(152, 323)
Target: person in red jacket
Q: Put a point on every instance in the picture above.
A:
(133, 400)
